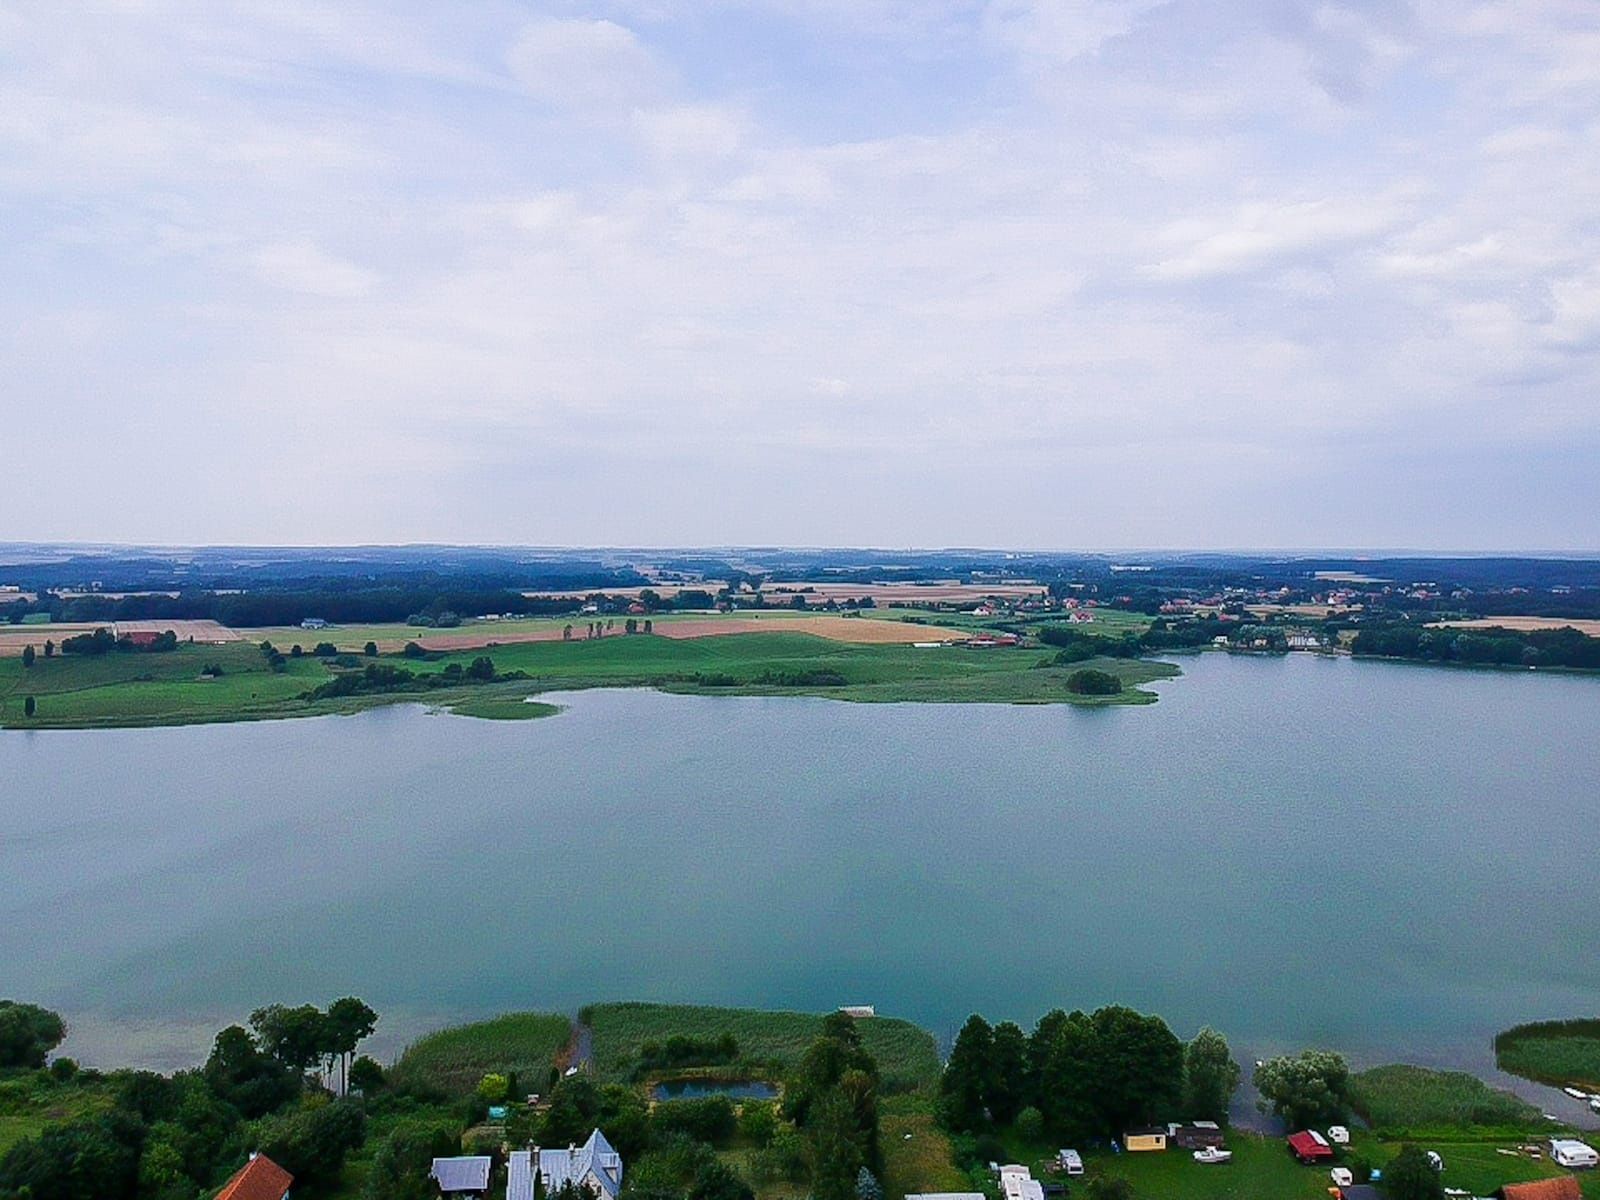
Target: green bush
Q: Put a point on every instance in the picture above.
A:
(1090, 682)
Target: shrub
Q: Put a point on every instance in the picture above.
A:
(1090, 682)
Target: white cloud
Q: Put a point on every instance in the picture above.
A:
(300, 266)
(592, 66)
(1262, 234)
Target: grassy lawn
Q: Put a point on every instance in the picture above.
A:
(1401, 1098)
(907, 1056)
(168, 689)
(1263, 1167)
(1553, 1052)
(455, 1059)
(916, 1153)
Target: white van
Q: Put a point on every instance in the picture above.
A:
(1569, 1152)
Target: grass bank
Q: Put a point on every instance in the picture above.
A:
(123, 689)
(907, 1057)
(454, 1060)
(1401, 1101)
(1554, 1052)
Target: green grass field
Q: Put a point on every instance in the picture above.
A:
(455, 1059)
(1554, 1052)
(122, 689)
(1262, 1167)
(907, 1056)
(1401, 1098)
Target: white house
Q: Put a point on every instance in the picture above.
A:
(594, 1166)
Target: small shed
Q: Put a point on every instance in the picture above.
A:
(465, 1175)
(1152, 1138)
(1196, 1135)
(1309, 1146)
(1360, 1191)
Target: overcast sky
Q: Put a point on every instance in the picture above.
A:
(1088, 273)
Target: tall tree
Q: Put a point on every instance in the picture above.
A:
(1410, 1176)
(297, 1037)
(1008, 1073)
(1210, 1077)
(1139, 1068)
(28, 1033)
(348, 1022)
(1305, 1089)
(968, 1078)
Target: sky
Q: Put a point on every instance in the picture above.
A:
(1070, 274)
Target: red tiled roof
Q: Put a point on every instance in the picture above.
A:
(258, 1179)
(1563, 1188)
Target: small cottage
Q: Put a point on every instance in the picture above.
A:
(1137, 1140)
(463, 1177)
(258, 1179)
(1197, 1135)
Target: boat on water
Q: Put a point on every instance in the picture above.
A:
(1594, 1104)
(1576, 1093)
(1212, 1154)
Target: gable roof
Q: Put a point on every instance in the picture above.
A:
(258, 1179)
(519, 1175)
(1563, 1188)
(464, 1173)
(595, 1159)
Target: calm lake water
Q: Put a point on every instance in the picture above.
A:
(1391, 860)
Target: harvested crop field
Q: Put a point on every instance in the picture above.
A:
(14, 637)
(207, 632)
(1529, 624)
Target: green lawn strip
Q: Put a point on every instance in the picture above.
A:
(455, 1059)
(1560, 1053)
(907, 1056)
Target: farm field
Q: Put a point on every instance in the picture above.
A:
(168, 688)
(1528, 624)
(907, 1056)
(14, 637)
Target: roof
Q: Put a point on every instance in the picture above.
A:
(258, 1179)
(467, 1173)
(1308, 1145)
(1146, 1131)
(519, 1175)
(595, 1159)
(944, 1196)
(1360, 1191)
(1564, 1188)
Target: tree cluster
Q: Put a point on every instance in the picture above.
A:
(1080, 1076)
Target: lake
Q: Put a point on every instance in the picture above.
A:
(1388, 859)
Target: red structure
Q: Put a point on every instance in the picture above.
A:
(1308, 1147)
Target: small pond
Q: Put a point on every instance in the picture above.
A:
(695, 1089)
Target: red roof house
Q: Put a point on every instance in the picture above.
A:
(1310, 1147)
(258, 1179)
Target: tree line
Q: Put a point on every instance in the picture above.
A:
(277, 1087)
(1565, 647)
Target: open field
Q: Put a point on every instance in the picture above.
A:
(455, 1059)
(14, 637)
(168, 688)
(838, 629)
(1262, 1167)
(1528, 624)
(907, 1057)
